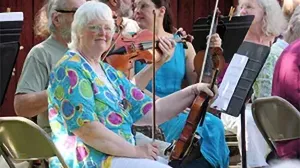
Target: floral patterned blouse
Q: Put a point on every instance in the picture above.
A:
(262, 86)
(77, 96)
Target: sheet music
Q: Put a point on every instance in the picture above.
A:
(11, 16)
(230, 81)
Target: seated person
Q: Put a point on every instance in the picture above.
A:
(169, 79)
(286, 82)
(262, 31)
(92, 106)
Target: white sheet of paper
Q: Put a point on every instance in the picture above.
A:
(11, 16)
(230, 81)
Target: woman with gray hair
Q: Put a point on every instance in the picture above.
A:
(92, 106)
(269, 23)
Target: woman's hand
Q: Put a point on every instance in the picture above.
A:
(203, 87)
(167, 48)
(215, 40)
(148, 151)
(183, 34)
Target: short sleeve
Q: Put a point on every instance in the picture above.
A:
(34, 77)
(140, 103)
(71, 88)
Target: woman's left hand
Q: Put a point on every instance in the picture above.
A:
(167, 47)
(183, 34)
(204, 87)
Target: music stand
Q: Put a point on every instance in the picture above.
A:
(257, 55)
(10, 30)
(232, 32)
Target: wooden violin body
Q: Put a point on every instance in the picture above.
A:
(199, 58)
(128, 49)
(183, 144)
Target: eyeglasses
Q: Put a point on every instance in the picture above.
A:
(98, 28)
(65, 11)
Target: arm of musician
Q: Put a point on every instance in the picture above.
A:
(31, 96)
(142, 78)
(148, 93)
(171, 105)
(191, 75)
(31, 104)
(96, 135)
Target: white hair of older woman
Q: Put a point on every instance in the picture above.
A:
(86, 13)
(274, 22)
(293, 31)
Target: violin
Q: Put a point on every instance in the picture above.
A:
(128, 49)
(184, 145)
(213, 51)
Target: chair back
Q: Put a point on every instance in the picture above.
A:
(23, 140)
(276, 118)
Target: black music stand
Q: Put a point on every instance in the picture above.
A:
(10, 30)
(257, 55)
(232, 32)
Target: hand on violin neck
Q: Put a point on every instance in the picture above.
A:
(204, 87)
(215, 41)
(167, 47)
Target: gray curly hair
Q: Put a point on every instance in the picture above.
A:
(274, 22)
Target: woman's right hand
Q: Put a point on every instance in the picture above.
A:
(215, 41)
(148, 151)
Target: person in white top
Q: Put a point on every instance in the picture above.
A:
(268, 24)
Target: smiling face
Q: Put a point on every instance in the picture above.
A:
(97, 35)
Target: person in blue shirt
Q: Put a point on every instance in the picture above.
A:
(169, 79)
